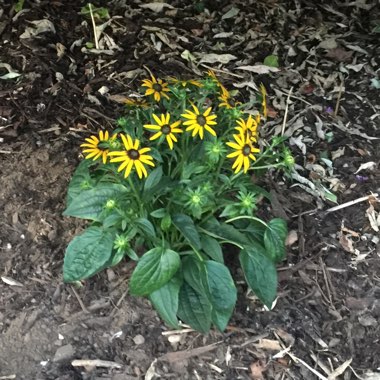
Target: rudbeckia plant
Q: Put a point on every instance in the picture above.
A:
(174, 188)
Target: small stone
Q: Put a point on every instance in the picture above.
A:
(64, 353)
(139, 339)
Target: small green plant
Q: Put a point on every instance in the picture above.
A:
(173, 181)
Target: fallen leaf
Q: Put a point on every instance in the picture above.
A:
(346, 243)
(291, 238)
(259, 69)
(257, 369)
(40, 26)
(355, 68)
(338, 153)
(373, 217)
(340, 54)
(231, 13)
(366, 166)
(328, 44)
(271, 61)
(213, 58)
(156, 7)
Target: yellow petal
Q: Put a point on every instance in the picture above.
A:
(246, 164)
(195, 109)
(101, 135)
(124, 164)
(149, 91)
(154, 127)
(207, 112)
(138, 166)
(117, 153)
(170, 142)
(210, 130)
(234, 145)
(155, 136)
(233, 154)
(146, 159)
(128, 169)
(157, 97)
(144, 150)
(167, 118)
(157, 119)
(136, 144)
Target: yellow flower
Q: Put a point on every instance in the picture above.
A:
(248, 128)
(132, 156)
(185, 83)
(243, 154)
(227, 101)
(157, 88)
(264, 101)
(164, 128)
(136, 102)
(97, 147)
(198, 122)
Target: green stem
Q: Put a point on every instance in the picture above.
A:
(135, 192)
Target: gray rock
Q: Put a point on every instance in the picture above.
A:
(64, 353)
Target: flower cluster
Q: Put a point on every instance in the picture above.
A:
(185, 115)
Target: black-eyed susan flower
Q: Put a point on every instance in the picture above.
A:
(156, 87)
(248, 128)
(97, 146)
(164, 128)
(136, 102)
(243, 152)
(199, 122)
(185, 83)
(132, 157)
(264, 100)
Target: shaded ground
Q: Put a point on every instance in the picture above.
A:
(329, 296)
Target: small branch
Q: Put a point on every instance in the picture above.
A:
(95, 363)
(350, 203)
(82, 305)
(94, 27)
(286, 111)
(338, 99)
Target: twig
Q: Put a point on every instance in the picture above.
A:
(82, 305)
(6, 151)
(94, 27)
(338, 99)
(298, 360)
(95, 363)
(350, 203)
(286, 111)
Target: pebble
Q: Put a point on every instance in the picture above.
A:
(139, 339)
(64, 353)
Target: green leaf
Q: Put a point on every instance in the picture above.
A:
(223, 293)
(159, 213)
(89, 204)
(153, 179)
(212, 248)
(194, 308)
(186, 226)
(274, 239)
(225, 231)
(155, 268)
(271, 60)
(165, 301)
(19, 5)
(80, 181)
(260, 273)
(194, 273)
(146, 226)
(87, 254)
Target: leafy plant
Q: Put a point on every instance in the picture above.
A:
(173, 181)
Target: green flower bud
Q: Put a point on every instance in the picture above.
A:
(166, 222)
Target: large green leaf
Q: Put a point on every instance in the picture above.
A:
(90, 204)
(153, 179)
(186, 226)
(194, 273)
(155, 268)
(165, 301)
(259, 272)
(87, 254)
(146, 226)
(212, 248)
(223, 293)
(194, 308)
(274, 239)
(80, 181)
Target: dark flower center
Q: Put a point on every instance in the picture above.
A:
(165, 129)
(157, 87)
(133, 154)
(246, 150)
(201, 120)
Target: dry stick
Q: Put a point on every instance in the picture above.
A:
(82, 305)
(286, 111)
(94, 27)
(350, 203)
(338, 99)
(95, 363)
